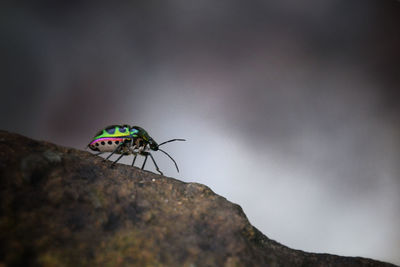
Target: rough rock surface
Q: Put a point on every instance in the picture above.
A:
(64, 207)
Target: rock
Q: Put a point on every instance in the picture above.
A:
(65, 207)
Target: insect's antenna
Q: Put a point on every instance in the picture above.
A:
(176, 165)
(172, 140)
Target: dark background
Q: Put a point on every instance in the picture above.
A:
(290, 108)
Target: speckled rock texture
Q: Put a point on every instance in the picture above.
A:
(64, 207)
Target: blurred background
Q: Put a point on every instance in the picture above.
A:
(290, 108)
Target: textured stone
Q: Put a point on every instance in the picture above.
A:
(64, 207)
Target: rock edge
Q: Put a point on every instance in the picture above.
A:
(65, 207)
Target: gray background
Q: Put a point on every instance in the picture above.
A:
(290, 108)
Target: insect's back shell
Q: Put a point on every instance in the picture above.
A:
(108, 139)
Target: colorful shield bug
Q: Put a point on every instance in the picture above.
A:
(128, 140)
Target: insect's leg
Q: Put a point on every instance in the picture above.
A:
(155, 164)
(144, 162)
(115, 150)
(134, 158)
(132, 149)
(131, 143)
(112, 164)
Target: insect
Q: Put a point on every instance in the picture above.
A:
(128, 140)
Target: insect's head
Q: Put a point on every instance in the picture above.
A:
(153, 144)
